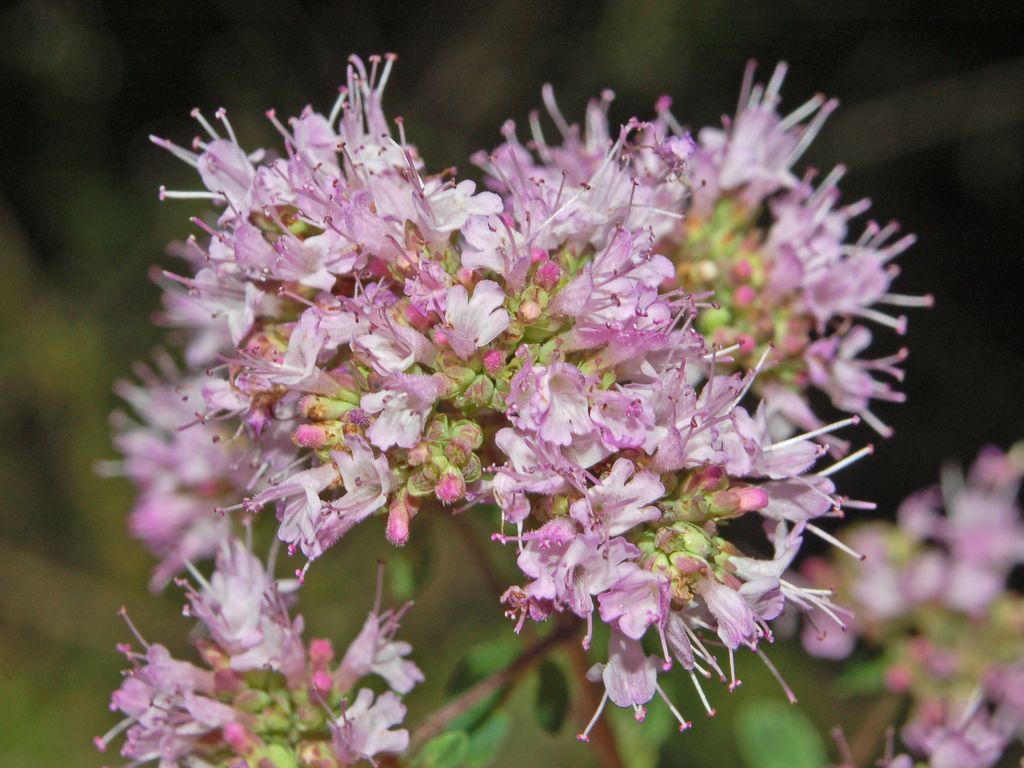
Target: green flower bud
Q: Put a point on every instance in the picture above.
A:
(472, 469)
(251, 700)
(419, 484)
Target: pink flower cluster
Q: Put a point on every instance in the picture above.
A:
(577, 348)
(263, 697)
(932, 595)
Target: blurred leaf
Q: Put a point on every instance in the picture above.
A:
(552, 697)
(641, 743)
(445, 751)
(481, 662)
(774, 735)
(862, 677)
(487, 741)
(400, 577)
(280, 756)
(408, 570)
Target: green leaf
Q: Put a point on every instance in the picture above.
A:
(480, 662)
(400, 578)
(861, 678)
(278, 756)
(552, 697)
(774, 735)
(486, 742)
(408, 570)
(640, 743)
(445, 751)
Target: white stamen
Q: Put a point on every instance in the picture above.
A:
(812, 129)
(867, 450)
(102, 742)
(585, 735)
(903, 300)
(798, 114)
(172, 194)
(733, 682)
(198, 576)
(339, 103)
(836, 425)
(123, 613)
(548, 95)
(751, 376)
(826, 536)
(201, 119)
(876, 423)
(898, 324)
(683, 722)
(778, 677)
(182, 154)
(703, 697)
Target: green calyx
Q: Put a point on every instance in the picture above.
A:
(445, 459)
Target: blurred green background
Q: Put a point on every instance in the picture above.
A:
(932, 128)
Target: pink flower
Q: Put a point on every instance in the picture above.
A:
(402, 410)
(450, 205)
(231, 603)
(755, 152)
(365, 727)
(492, 244)
(625, 418)
(629, 677)
(474, 322)
(301, 516)
(551, 401)
(569, 568)
(367, 480)
(167, 706)
(376, 651)
(620, 501)
(635, 602)
(736, 621)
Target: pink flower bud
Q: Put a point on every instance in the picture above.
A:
(310, 436)
(529, 311)
(744, 296)
(400, 514)
(322, 681)
(468, 433)
(703, 479)
(239, 738)
(320, 651)
(548, 275)
(738, 501)
(419, 454)
(897, 679)
(451, 486)
(742, 271)
(494, 359)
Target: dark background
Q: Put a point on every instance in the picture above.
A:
(931, 128)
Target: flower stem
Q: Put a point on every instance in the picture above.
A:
(436, 722)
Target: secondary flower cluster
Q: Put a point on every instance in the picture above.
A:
(795, 289)
(262, 698)
(932, 594)
(574, 348)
